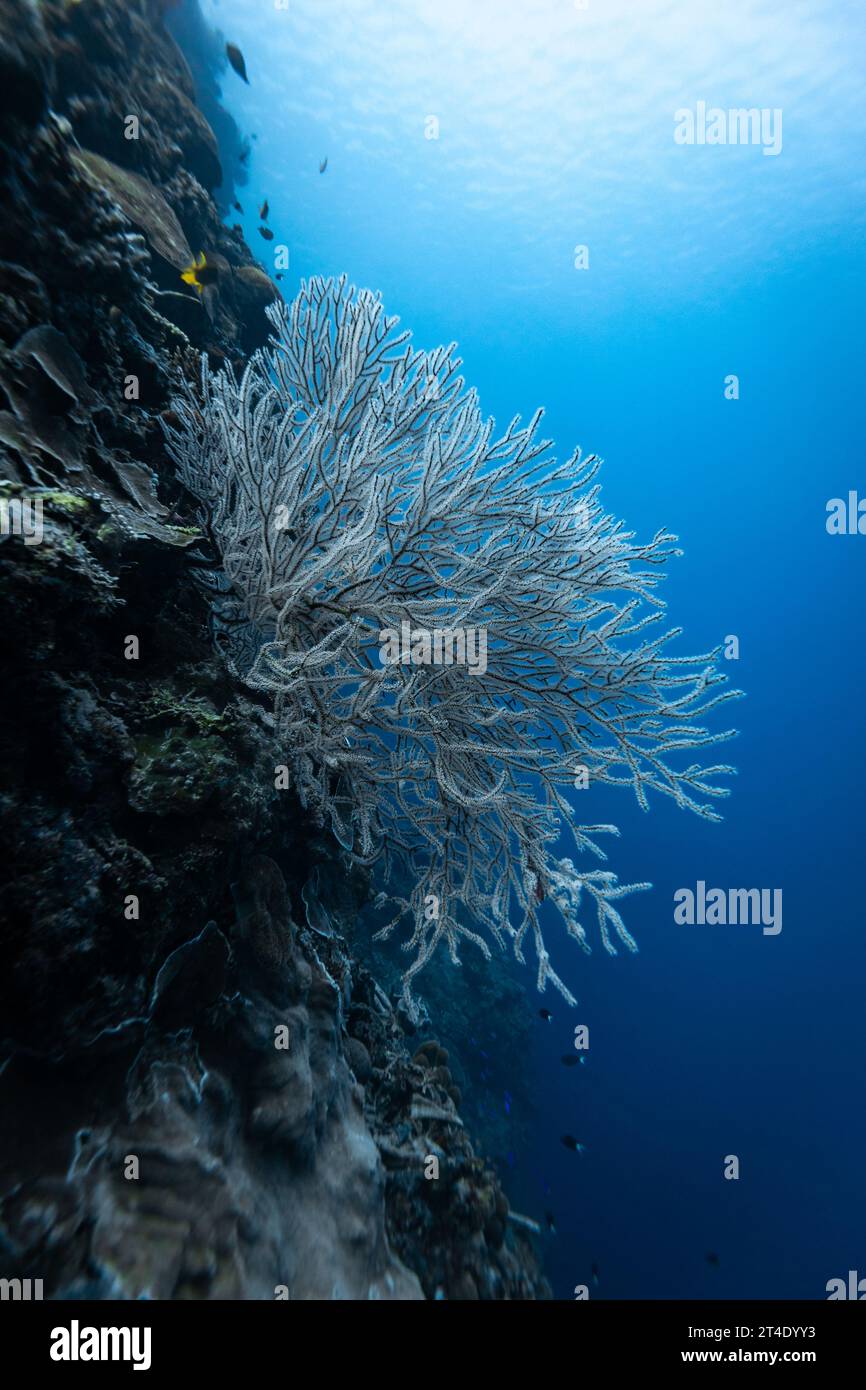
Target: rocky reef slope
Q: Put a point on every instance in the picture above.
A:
(202, 1094)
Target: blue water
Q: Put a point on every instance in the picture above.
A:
(556, 130)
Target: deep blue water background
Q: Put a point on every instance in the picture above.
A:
(556, 130)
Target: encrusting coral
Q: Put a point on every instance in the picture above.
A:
(350, 486)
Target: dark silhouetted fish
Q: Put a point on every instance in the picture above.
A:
(545, 1014)
(595, 1272)
(264, 210)
(266, 233)
(237, 207)
(324, 164)
(712, 1258)
(236, 58)
(570, 1060)
(550, 1222)
(571, 1143)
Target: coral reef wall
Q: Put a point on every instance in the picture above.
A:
(202, 1094)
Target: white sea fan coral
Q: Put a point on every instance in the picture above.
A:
(349, 484)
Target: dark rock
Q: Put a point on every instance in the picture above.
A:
(359, 1059)
(26, 68)
(184, 310)
(23, 300)
(161, 998)
(192, 977)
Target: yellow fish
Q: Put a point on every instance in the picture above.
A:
(199, 273)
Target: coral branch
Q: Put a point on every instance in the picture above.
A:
(350, 485)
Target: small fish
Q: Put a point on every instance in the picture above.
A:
(571, 1061)
(571, 1143)
(546, 1015)
(244, 155)
(279, 275)
(266, 233)
(550, 1222)
(199, 273)
(237, 207)
(595, 1272)
(264, 210)
(236, 58)
(713, 1259)
(324, 164)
